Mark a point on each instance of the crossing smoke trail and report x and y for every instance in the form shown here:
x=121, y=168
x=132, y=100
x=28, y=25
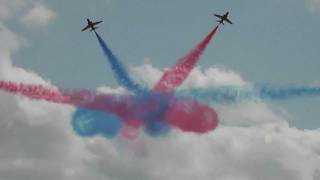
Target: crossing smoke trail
x=107, y=115
x=154, y=123
x=156, y=111
x=174, y=77
x=222, y=95
x=234, y=95
x=119, y=70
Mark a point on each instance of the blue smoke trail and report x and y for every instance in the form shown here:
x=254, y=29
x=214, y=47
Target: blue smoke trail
x=147, y=108
x=120, y=71
x=89, y=123
x=155, y=126
x=232, y=94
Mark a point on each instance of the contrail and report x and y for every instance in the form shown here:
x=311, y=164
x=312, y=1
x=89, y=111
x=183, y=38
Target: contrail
x=119, y=70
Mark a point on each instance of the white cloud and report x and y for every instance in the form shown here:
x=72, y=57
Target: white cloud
x=154, y=74
x=213, y=77
x=10, y=7
x=267, y=152
x=247, y=115
x=39, y=15
x=255, y=142
x=199, y=78
x=36, y=139
x=29, y=12
x=10, y=42
x=109, y=90
x=38, y=143
x=313, y=5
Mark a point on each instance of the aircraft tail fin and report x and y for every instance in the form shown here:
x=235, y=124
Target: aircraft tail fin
x=94, y=29
x=220, y=21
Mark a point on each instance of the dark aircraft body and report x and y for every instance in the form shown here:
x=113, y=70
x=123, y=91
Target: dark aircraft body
x=91, y=25
x=223, y=18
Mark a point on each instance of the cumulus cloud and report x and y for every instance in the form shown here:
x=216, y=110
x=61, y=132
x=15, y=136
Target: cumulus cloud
x=267, y=152
x=313, y=5
x=9, y=7
x=29, y=12
x=238, y=115
x=11, y=42
x=247, y=115
x=253, y=142
x=36, y=139
x=199, y=77
x=39, y=15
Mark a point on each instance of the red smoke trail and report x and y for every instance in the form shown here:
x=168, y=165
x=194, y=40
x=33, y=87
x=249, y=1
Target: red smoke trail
x=185, y=114
x=79, y=98
x=35, y=92
x=191, y=116
x=174, y=77
x=151, y=110
x=120, y=105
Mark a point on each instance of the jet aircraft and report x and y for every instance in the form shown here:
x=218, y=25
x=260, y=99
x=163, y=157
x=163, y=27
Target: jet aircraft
x=91, y=25
x=223, y=18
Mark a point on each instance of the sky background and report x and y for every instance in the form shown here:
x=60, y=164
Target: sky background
x=273, y=42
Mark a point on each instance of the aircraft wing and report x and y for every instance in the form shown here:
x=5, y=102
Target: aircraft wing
x=98, y=22
x=218, y=16
x=87, y=27
x=228, y=21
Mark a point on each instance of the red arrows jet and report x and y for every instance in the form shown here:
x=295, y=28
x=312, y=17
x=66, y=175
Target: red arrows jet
x=223, y=18
x=91, y=25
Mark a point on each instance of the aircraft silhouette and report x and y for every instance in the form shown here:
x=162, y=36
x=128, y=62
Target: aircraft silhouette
x=223, y=18
x=91, y=25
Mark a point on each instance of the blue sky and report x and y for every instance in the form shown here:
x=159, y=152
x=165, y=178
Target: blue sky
x=271, y=42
